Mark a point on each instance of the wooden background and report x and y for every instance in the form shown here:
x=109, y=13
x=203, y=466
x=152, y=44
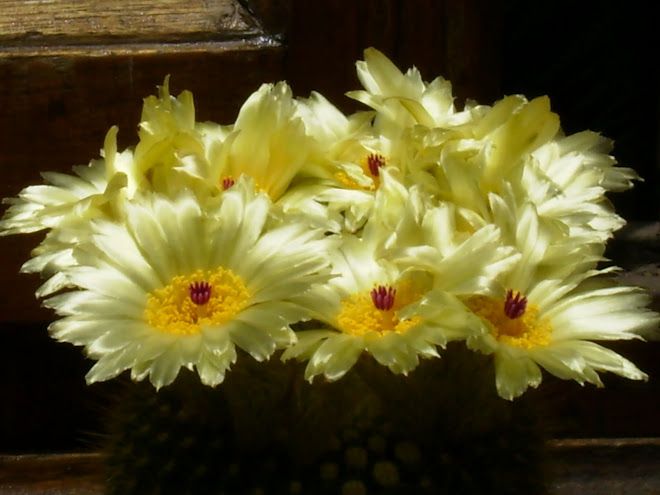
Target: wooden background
x=71, y=69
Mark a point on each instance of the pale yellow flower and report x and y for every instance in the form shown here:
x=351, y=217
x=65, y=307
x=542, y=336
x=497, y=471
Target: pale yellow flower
x=405, y=98
x=534, y=292
x=335, y=134
x=169, y=136
x=174, y=149
x=435, y=238
x=355, y=168
x=394, y=301
x=177, y=286
x=491, y=150
x=552, y=324
x=267, y=142
x=544, y=241
x=567, y=180
x=65, y=206
x=516, y=150
x=65, y=197
x=549, y=309
x=371, y=307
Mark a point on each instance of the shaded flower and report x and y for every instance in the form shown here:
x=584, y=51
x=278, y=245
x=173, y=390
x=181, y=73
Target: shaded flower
x=567, y=180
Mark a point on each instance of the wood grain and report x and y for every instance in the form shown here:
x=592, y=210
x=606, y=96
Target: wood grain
x=79, y=474
x=42, y=23
x=596, y=466
x=621, y=466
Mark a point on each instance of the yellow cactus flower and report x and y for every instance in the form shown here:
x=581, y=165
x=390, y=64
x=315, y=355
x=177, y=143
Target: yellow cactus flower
x=384, y=306
x=177, y=286
x=549, y=308
x=405, y=98
x=267, y=142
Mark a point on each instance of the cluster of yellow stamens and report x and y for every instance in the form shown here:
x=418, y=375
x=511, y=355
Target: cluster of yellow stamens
x=190, y=302
x=514, y=321
x=371, y=165
x=375, y=312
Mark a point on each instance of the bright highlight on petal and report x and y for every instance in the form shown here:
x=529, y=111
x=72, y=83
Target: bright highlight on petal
x=188, y=303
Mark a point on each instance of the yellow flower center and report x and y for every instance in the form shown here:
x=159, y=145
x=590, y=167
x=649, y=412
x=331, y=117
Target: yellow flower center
x=228, y=181
x=190, y=302
x=375, y=311
x=371, y=165
x=513, y=321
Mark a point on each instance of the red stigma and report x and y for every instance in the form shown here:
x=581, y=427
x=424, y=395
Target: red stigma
x=383, y=297
x=375, y=161
x=515, y=304
x=200, y=292
x=227, y=182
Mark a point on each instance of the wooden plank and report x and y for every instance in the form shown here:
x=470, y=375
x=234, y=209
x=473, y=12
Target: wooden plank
x=621, y=466
x=80, y=474
x=274, y=16
x=595, y=466
x=41, y=24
